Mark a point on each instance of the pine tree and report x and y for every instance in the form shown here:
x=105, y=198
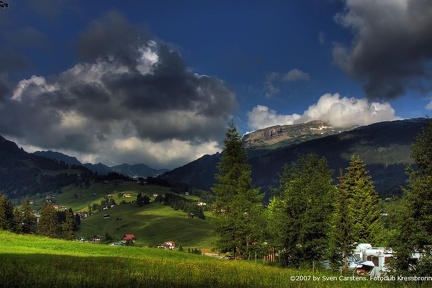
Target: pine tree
x=28, y=219
x=67, y=227
x=4, y=224
x=307, y=205
x=238, y=204
x=48, y=223
x=413, y=217
x=367, y=225
x=342, y=239
x=7, y=221
x=139, y=199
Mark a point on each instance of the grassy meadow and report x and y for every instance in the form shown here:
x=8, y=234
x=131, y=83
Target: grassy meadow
x=32, y=261
x=152, y=224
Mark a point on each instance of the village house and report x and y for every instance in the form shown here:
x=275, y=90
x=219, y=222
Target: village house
x=129, y=237
x=96, y=239
x=168, y=245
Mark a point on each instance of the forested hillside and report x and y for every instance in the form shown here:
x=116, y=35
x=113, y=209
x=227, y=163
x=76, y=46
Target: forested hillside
x=384, y=147
x=22, y=173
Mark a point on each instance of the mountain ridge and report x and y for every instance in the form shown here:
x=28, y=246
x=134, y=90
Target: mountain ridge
x=295, y=133
x=385, y=148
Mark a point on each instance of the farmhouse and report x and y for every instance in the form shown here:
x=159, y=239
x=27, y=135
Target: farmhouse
x=96, y=239
x=129, y=237
x=168, y=245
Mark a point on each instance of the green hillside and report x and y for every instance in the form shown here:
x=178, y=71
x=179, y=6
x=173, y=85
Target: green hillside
x=152, y=224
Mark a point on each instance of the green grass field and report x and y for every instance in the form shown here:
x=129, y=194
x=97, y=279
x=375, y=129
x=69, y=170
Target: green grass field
x=32, y=261
x=152, y=224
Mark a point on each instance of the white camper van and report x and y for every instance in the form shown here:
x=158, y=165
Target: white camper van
x=379, y=256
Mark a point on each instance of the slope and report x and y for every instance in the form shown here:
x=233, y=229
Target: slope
x=152, y=224
x=385, y=148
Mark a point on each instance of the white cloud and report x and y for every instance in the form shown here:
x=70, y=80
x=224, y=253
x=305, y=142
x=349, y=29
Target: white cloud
x=429, y=106
x=261, y=117
x=272, y=79
x=333, y=109
x=295, y=75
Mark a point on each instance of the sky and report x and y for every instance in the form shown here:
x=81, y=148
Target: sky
x=157, y=82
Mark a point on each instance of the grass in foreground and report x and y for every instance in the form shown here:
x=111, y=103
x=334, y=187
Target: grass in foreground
x=31, y=261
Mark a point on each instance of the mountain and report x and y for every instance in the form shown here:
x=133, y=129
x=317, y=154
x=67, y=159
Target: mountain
x=384, y=147
x=99, y=168
x=69, y=160
x=23, y=173
x=139, y=170
x=283, y=135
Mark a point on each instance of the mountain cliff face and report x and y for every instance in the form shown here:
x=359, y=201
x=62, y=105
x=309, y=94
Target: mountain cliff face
x=289, y=134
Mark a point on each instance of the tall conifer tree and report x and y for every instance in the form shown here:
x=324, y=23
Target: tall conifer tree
x=48, y=222
x=67, y=226
x=238, y=204
x=7, y=217
x=367, y=225
x=306, y=207
x=342, y=240
x=413, y=217
x=28, y=219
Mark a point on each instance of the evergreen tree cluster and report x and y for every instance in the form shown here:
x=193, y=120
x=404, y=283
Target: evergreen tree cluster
x=142, y=200
x=52, y=223
x=178, y=202
x=412, y=216
x=308, y=219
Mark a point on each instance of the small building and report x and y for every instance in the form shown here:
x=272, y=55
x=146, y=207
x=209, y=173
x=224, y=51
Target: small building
x=106, y=216
x=96, y=239
x=168, y=245
x=129, y=237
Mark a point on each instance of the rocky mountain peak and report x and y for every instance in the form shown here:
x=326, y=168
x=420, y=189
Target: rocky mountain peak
x=289, y=133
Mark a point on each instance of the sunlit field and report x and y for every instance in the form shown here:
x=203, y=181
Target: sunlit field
x=31, y=261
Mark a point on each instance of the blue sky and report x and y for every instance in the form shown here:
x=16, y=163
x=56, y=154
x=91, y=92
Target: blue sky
x=156, y=82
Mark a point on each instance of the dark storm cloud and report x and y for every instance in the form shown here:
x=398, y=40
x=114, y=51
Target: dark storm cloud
x=112, y=36
x=392, y=48
x=128, y=86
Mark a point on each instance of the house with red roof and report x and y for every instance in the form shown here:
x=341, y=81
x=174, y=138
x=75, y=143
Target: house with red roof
x=129, y=237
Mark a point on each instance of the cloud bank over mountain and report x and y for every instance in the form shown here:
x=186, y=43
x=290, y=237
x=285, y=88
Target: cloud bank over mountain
x=335, y=110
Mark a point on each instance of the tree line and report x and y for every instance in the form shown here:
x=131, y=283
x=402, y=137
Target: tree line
x=178, y=202
x=310, y=218
x=51, y=223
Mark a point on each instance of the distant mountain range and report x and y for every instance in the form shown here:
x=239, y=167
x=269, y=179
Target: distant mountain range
x=384, y=147
x=136, y=170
